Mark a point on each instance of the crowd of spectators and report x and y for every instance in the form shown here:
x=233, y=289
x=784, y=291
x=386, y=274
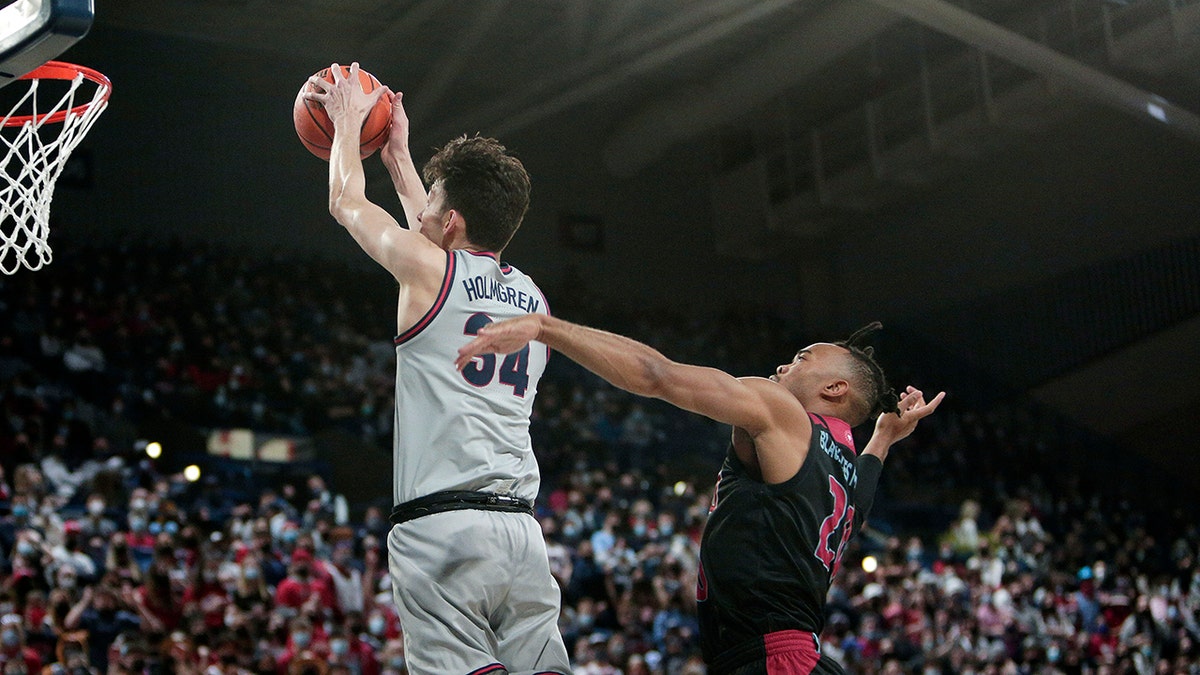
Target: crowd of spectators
x=110, y=565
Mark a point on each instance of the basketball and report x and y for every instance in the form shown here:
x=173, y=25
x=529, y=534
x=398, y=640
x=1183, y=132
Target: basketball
x=316, y=129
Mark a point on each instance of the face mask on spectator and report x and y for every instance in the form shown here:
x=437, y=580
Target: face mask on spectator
x=9, y=638
x=137, y=524
x=339, y=646
x=25, y=548
x=137, y=504
x=376, y=625
x=20, y=511
x=396, y=662
x=301, y=639
x=95, y=507
x=251, y=573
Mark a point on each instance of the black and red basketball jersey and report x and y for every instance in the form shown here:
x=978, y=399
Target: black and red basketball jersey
x=769, y=552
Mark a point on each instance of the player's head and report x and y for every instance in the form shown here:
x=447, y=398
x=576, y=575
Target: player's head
x=840, y=379
x=477, y=191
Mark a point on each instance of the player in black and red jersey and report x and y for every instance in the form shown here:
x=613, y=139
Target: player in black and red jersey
x=792, y=489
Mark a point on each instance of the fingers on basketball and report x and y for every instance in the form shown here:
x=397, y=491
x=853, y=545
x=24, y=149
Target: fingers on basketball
x=313, y=125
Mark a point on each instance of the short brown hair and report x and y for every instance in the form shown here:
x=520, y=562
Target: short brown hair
x=484, y=183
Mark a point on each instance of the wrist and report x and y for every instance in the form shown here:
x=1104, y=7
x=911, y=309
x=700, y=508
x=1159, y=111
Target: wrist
x=393, y=157
x=542, y=322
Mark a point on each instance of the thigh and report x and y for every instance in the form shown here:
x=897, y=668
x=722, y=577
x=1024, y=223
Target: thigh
x=445, y=570
x=526, y=623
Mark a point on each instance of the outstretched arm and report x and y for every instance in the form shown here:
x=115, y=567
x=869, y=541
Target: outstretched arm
x=398, y=159
x=637, y=368
x=402, y=252
x=890, y=428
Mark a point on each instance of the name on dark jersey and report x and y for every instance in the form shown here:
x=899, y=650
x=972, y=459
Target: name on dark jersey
x=482, y=288
x=831, y=448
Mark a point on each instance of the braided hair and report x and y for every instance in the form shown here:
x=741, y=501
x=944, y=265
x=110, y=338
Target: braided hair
x=876, y=396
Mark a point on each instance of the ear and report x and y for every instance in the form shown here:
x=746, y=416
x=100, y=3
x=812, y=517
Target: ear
x=835, y=390
x=454, y=226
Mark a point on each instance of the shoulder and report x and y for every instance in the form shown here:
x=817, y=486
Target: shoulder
x=785, y=419
x=777, y=397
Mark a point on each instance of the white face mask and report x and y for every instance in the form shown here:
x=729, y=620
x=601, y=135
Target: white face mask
x=95, y=508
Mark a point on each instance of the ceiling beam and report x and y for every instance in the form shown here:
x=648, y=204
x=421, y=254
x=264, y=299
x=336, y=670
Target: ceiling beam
x=431, y=90
x=607, y=68
x=1061, y=69
x=786, y=61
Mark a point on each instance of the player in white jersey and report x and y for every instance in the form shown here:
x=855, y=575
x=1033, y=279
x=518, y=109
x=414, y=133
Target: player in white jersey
x=468, y=564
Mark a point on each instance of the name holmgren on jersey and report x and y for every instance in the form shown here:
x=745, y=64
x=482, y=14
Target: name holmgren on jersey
x=480, y=287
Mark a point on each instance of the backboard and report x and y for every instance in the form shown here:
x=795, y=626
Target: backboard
x=34, y=31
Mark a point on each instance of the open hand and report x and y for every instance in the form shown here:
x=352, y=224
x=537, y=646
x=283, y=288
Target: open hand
x=503, y=337
x=343, y=98
x=913, y=409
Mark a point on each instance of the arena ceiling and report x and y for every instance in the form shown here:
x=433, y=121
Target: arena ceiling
x=634, y=81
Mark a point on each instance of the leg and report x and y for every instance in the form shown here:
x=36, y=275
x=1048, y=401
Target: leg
x=442, y=572
x=527, y=621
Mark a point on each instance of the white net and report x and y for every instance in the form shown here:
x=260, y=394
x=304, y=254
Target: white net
x=35, y=144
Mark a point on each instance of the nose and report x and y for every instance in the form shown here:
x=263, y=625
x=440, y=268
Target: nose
x=781, y=370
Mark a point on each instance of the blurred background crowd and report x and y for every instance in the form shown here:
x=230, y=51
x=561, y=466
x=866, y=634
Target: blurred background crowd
x=1000, y=543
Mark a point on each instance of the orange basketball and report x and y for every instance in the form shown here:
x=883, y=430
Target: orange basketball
x=316, y=129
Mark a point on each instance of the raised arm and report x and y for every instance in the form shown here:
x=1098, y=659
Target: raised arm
x=405, y=253
x=398, y=160
x=750, y=404
x=890, y=428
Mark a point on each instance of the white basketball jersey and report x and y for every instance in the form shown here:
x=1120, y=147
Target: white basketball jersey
x=467, y=429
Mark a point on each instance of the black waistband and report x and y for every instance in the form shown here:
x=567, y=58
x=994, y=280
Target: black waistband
x=454, y=500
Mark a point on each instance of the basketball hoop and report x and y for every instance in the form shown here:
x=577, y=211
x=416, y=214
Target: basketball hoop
x=35, y=141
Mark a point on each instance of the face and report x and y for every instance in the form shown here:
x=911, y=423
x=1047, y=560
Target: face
x=435, y=215
x=811, y=370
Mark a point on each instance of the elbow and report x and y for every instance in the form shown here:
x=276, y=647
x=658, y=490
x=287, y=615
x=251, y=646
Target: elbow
x=654, y=379
x=342, y=208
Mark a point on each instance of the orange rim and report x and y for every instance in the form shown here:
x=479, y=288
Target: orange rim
x=58, y=70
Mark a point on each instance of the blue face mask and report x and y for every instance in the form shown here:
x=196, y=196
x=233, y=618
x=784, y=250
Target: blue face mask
x=301, y=640
x=10, y=638
x=339, y=647
x=25, y=548
x=20, y=511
